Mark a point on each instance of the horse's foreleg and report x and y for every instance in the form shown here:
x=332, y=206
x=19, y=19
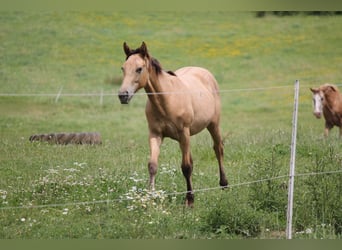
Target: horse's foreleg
x=218, y=148
x=326, y=132
x=327, y=129
x=155, y=142
x=184, y=143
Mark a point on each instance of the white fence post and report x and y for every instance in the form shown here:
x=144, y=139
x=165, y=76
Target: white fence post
x=101, y=97
x=292, y=163
x=59, y=94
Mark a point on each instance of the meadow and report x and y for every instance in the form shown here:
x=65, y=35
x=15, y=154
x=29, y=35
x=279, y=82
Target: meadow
x=100, y=192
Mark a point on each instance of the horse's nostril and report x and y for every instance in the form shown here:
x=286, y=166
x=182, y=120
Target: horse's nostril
x=124, y=97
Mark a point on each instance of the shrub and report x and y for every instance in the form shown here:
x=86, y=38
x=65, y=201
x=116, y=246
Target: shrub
x=233, y=217
x=321, y=197
x=269, y=195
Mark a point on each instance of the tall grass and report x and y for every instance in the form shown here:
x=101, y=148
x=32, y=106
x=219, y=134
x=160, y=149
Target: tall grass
x=54, y=192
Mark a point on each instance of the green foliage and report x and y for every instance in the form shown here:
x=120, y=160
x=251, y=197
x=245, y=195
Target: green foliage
x=322, y=200
x=271, y=194
x=99, y=192
x=231, y=217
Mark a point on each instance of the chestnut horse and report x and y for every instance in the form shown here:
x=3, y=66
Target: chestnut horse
x=179, y=105
x=327, y=101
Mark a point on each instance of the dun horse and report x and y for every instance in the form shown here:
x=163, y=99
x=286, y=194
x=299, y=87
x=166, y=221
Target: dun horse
x=327, y=100
x=179, y=105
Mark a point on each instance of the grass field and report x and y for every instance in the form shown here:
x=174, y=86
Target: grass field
x=99, y=192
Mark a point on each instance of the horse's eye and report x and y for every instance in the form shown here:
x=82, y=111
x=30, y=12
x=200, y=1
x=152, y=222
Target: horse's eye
x=138, y=70
x=321, y=98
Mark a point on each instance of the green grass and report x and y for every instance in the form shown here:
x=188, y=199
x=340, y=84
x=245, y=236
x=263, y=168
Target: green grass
x=85, y=191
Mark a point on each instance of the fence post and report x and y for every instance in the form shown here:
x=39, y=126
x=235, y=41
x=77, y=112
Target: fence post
x=292, y=163
x=101, y=97
x=59, y=94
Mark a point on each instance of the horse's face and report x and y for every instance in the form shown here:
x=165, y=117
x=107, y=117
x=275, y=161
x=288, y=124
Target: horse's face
x=135, y=77
x=135, y=73
x=317, y=100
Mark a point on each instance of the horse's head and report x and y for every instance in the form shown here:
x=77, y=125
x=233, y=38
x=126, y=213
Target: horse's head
x=317, y=100
x=323, y=97
x=135, y=71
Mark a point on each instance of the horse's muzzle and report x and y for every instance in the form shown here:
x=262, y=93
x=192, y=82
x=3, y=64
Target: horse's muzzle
x=124, y=97
x=318, y=115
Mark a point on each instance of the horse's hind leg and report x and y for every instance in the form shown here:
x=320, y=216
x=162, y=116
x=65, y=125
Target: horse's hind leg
x=187, y=165
x=214, y=131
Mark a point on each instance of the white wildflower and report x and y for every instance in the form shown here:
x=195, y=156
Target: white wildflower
x=65, y=211
x=3, y=194
x=71, y=170
x=44, y=211
x=80, y=164
x=52, y=171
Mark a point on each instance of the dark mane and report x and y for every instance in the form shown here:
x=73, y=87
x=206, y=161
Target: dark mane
x=158, y=68
x=156, y=65
x=154, y=62
x=171, y=73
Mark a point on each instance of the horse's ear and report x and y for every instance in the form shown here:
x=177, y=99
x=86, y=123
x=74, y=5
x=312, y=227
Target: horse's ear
x=314, y=90
x=333, y=88
x=126, y=49
x=143, y=50
x=329, y=88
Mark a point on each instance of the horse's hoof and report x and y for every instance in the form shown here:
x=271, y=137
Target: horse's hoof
x=189, y=200
x=224, y=184
x=189, y=204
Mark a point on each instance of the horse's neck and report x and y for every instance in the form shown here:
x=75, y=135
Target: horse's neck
x=156, y=92
x=334, y=101
x=153, y=86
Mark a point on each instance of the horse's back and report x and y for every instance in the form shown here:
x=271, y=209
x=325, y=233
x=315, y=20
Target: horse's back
x=197, y=78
